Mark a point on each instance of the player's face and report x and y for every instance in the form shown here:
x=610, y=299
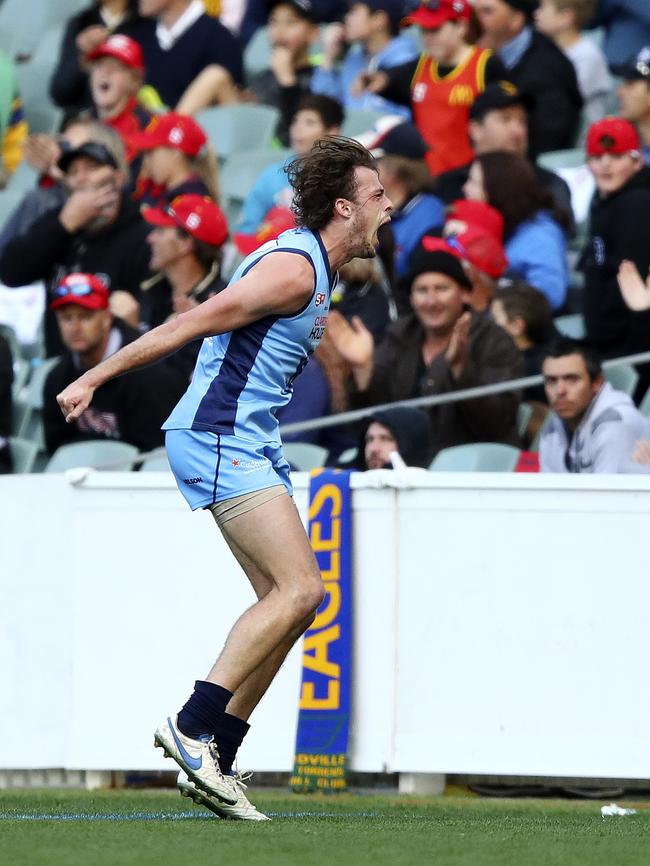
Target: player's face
x=473, y=188
x=502, y=129
x=306, y=129
x=287, y=29
x=167, y=247
x=378, y=444
x=612, y=170
x=443, y=42
x=568, y=387
x=372, y=209
x=83, y=331
x=634, y=100
x=112, y=84
x=437, y=301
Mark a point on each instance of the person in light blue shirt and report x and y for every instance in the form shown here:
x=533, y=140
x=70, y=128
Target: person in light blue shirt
x=534, y=228
x=372, y=29
x=315, y=117
x=225, y=451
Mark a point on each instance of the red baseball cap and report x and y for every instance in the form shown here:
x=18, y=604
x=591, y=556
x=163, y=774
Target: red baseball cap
x=198, y=215
x=479, y=214
x=171, y=130
x=122, y=48
x=612, y=135
x=482, y=250
x=277, y=220
x=431, y=14
x=85, y=290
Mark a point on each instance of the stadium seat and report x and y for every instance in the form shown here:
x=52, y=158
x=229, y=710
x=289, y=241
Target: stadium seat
x=524, y=414
x=23, y=454
x=155, y=463
x=623, y=378
x=573, y=157
x=238, y=176
x=10, y=198
x=30, y=402
x=570, y=326
x=236, y=128
x=100, y=454
x=303, y=456
x=33, y=82
x=358, y=121
x=476, y=457
x=257, y=54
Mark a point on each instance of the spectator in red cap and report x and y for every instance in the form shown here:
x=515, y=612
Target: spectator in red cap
x=439, y=347
x=618, y=231
x=131, y=408
x=440, y=85
x=116, y=74
x=539, y=69
x=178, y=160
x=186, y=245
x=84, y=32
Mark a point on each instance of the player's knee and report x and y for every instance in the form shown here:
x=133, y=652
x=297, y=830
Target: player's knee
x=306, y=599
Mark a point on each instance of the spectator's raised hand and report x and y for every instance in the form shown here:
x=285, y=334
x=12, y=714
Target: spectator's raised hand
x=91, y=38
x=42, y=152
x=456, y=354
x=635, y=292
x=333, y=41
x=281, y=64
x=100, y=199
x=373, y=82
x=354, y=343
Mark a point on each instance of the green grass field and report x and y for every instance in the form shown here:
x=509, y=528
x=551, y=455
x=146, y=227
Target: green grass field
x=154, y=828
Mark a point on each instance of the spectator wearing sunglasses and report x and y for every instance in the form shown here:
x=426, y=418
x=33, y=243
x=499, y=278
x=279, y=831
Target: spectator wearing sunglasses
x=97, y=230
x=131, y=408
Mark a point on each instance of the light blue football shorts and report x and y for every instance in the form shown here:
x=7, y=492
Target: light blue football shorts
x=209, y=467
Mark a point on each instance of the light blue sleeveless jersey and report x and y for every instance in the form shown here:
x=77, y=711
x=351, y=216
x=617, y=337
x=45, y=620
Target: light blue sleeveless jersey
x=243, y=377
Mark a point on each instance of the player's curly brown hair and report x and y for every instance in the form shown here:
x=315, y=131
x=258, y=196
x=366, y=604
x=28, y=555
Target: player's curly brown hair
x=323, y=175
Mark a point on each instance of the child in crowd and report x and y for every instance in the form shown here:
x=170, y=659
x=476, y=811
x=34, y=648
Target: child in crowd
x=372, y=30
x=292, y=29
x=178, y=161
x=563, y=21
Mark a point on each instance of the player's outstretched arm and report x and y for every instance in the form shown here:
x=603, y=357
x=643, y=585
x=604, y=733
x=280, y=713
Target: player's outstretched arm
x=280, y=284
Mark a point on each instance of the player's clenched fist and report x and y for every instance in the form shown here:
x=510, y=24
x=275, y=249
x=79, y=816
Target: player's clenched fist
x=74, y=400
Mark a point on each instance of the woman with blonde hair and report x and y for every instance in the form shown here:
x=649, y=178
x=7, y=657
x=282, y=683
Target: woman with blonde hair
x=178, y=160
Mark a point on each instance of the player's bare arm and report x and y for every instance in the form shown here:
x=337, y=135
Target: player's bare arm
x=280, y=284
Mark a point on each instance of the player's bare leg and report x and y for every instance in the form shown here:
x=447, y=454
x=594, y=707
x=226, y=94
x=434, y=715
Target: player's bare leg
x=273, y=539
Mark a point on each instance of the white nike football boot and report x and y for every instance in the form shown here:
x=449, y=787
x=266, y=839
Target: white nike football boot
x=242, y=810
x=199, y=759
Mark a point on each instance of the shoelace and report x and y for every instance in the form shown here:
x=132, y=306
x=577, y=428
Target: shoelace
x=214, y=754
x=242, y=778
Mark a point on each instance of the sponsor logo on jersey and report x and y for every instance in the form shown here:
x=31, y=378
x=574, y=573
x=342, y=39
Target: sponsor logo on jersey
x=320, y=298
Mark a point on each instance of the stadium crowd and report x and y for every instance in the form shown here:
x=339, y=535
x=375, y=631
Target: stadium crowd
x=512, y=137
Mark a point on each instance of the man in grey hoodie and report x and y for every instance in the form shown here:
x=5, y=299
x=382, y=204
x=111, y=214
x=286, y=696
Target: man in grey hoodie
x=592, y=427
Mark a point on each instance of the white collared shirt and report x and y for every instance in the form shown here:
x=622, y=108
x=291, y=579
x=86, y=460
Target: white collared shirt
x=168, y=36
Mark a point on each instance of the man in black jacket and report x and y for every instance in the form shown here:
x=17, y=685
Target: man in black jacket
x=97, y=230
x=131, y=408
x=538, y=68
x=618, y=231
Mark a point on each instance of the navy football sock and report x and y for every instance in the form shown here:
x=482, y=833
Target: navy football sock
x=228, y=735
x=203, y=711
